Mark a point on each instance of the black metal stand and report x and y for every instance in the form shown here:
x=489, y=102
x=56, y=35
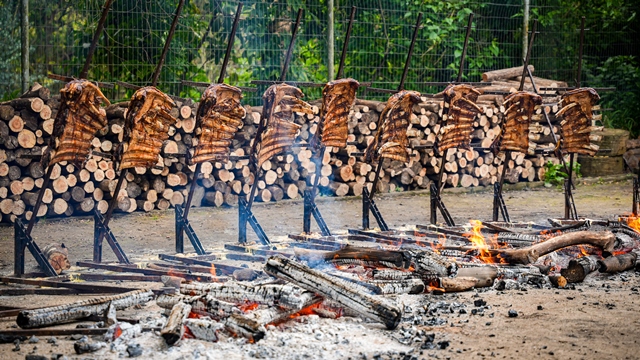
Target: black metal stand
x=368, y=204
x=182, y=219
x=246, y=215
x=436, y=203
x=310, y=208
x=436, y=200
x=101, y=228
x=22, y=236
x=498, y=200
x=570, y=211
x=23, y=240
x=636, y=195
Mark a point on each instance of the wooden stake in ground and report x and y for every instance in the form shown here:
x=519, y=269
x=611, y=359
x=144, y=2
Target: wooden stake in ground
x=341, y=291
x=530, y=254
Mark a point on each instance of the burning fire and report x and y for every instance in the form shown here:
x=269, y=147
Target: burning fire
x=634, y=223
x=212, y=270
x=248, y=306
x=480, y=244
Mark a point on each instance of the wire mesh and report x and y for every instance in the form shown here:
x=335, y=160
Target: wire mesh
x=135, y=32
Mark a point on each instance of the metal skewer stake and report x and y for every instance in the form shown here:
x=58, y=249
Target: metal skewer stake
x=368, y=203
x=309, y=195
x=435, y=189
x=101, y=224
x=22, y=234
x=182, y=215
x=244, y=206
x=498, y=200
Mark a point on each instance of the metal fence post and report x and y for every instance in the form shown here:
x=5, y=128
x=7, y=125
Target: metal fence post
x=330, y=39
x=525, y=28
x=24, y=41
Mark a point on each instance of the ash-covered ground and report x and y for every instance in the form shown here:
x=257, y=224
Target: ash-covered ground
x=592, y=320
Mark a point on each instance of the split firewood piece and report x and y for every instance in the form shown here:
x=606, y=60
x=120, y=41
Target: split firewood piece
x=287, y=296
x=204, y=329
x=391, y=274
x=428, y=264
x=173, y=330
x=458, y=284
x=62, y=314
x=530, y=254
x=484, y=275
x=578, y=269
x=57, y=254
x=618, y=263
x=356, y=255
x=367, y=305
x=217, y=308
x=406, y=286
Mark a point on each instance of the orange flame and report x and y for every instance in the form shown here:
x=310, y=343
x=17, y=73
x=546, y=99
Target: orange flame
x=212, y=270
x=634, y=223
x=480, y=244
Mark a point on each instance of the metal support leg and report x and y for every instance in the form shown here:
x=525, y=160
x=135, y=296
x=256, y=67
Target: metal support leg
x=245, y=215
x=368, y=204
x=22, y=240
x=102, y=230
x=310, y=208
x=498, y=204
x=436, y=202
x=184, y=226
x=636, y=195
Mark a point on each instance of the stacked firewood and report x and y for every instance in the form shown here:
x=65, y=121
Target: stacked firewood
x=27, y=124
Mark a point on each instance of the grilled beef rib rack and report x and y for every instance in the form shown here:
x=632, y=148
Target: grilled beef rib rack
x=78, y=120
x=218, y=119
x=391, y=139
x=459, y=111
x=280, y=101
x=576, y=115
x=337, y=99
x=146, y=127
x=515, y=132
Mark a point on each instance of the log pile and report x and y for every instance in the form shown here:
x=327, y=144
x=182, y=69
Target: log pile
x=26, y=125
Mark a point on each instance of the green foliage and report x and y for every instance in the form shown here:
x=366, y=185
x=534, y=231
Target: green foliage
x=555, y=174
x=624, y=72
x=10, y=54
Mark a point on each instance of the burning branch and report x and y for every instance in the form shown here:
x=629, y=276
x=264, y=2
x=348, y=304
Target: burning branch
x=603, y=239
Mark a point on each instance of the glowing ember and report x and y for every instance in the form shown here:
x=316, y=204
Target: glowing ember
x=212, y=270
x=248, y=306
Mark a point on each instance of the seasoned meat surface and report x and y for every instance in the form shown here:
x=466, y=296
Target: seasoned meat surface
x=459, y=111
x=78, y=120
x=515, y=131
x=576, y=115
x=146, y=127
x=391, y=139
x=280, y=101
x=219, y=117
x=337, y=99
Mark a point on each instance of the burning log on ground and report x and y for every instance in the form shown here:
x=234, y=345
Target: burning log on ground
x=406, y=286
x=173, y=330
x=578, y=269
x=286, y=296
x=62, y=314
x=618, y=263
x=357, y=255
x=458, y=284
x=367, y=305
x=217, y=308
x=604, y=240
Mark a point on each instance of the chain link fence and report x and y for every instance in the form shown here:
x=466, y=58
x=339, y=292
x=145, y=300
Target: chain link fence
x=134, y=35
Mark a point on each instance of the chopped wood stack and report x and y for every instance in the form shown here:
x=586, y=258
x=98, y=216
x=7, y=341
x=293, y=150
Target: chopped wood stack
x=26, y=125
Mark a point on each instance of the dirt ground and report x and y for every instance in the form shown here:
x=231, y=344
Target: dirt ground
x=596, y=320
